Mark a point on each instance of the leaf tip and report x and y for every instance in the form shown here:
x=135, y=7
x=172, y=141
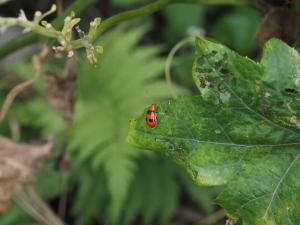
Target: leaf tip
x=130, y=138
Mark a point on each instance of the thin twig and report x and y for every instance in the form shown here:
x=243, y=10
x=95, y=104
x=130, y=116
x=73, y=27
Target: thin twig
x=45, y=209
x=71, y=64
x=13, y=94
x=15, y=129
x=36, y=61
x=23, y=202
x=31, y=202
x=63, y=199
x=60, y=7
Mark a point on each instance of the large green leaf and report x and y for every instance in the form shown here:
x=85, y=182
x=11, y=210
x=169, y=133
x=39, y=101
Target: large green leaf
x=242, y=131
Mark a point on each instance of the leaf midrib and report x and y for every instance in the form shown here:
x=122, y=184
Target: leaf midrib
x=165, y=138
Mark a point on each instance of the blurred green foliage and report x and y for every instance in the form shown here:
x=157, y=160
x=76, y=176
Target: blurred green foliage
x=237, y=29
x=180, y=18
x=109, y=180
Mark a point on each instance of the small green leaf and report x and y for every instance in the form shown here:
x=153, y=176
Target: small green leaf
x=285, y=73
x=239, y=132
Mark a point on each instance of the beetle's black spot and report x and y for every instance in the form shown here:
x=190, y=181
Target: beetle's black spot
x=151, y=120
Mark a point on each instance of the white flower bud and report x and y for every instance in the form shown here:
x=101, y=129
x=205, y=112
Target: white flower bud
x=62, y=42
x=38, y=14
x=67, y=19
x=48, y=26
x=53, y=8
x=70, y=54
x=93, y=24
x=22, y=16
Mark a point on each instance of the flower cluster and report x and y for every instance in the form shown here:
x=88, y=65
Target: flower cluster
x=65, y=38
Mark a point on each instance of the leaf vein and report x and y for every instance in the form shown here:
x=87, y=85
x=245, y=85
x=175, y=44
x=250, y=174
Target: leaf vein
x=279, y=183
x=258, y=114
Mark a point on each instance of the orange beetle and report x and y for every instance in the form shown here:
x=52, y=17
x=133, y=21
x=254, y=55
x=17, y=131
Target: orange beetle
x=151, y=116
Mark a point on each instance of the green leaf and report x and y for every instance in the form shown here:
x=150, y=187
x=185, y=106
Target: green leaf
x=285, y=72
x=240, y=132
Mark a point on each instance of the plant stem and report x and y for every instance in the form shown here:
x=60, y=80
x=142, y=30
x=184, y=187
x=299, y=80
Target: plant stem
x=30, y=25
x=180, y=44
x=124, y=16
x=23, y=40
x=152, y=8
x=81, y=5
x=213, y=218
x=219, y=2
x=143, y=11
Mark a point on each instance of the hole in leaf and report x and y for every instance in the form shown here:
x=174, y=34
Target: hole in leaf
x=291, y=90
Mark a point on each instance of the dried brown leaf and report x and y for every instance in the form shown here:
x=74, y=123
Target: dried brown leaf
x=18, y=165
